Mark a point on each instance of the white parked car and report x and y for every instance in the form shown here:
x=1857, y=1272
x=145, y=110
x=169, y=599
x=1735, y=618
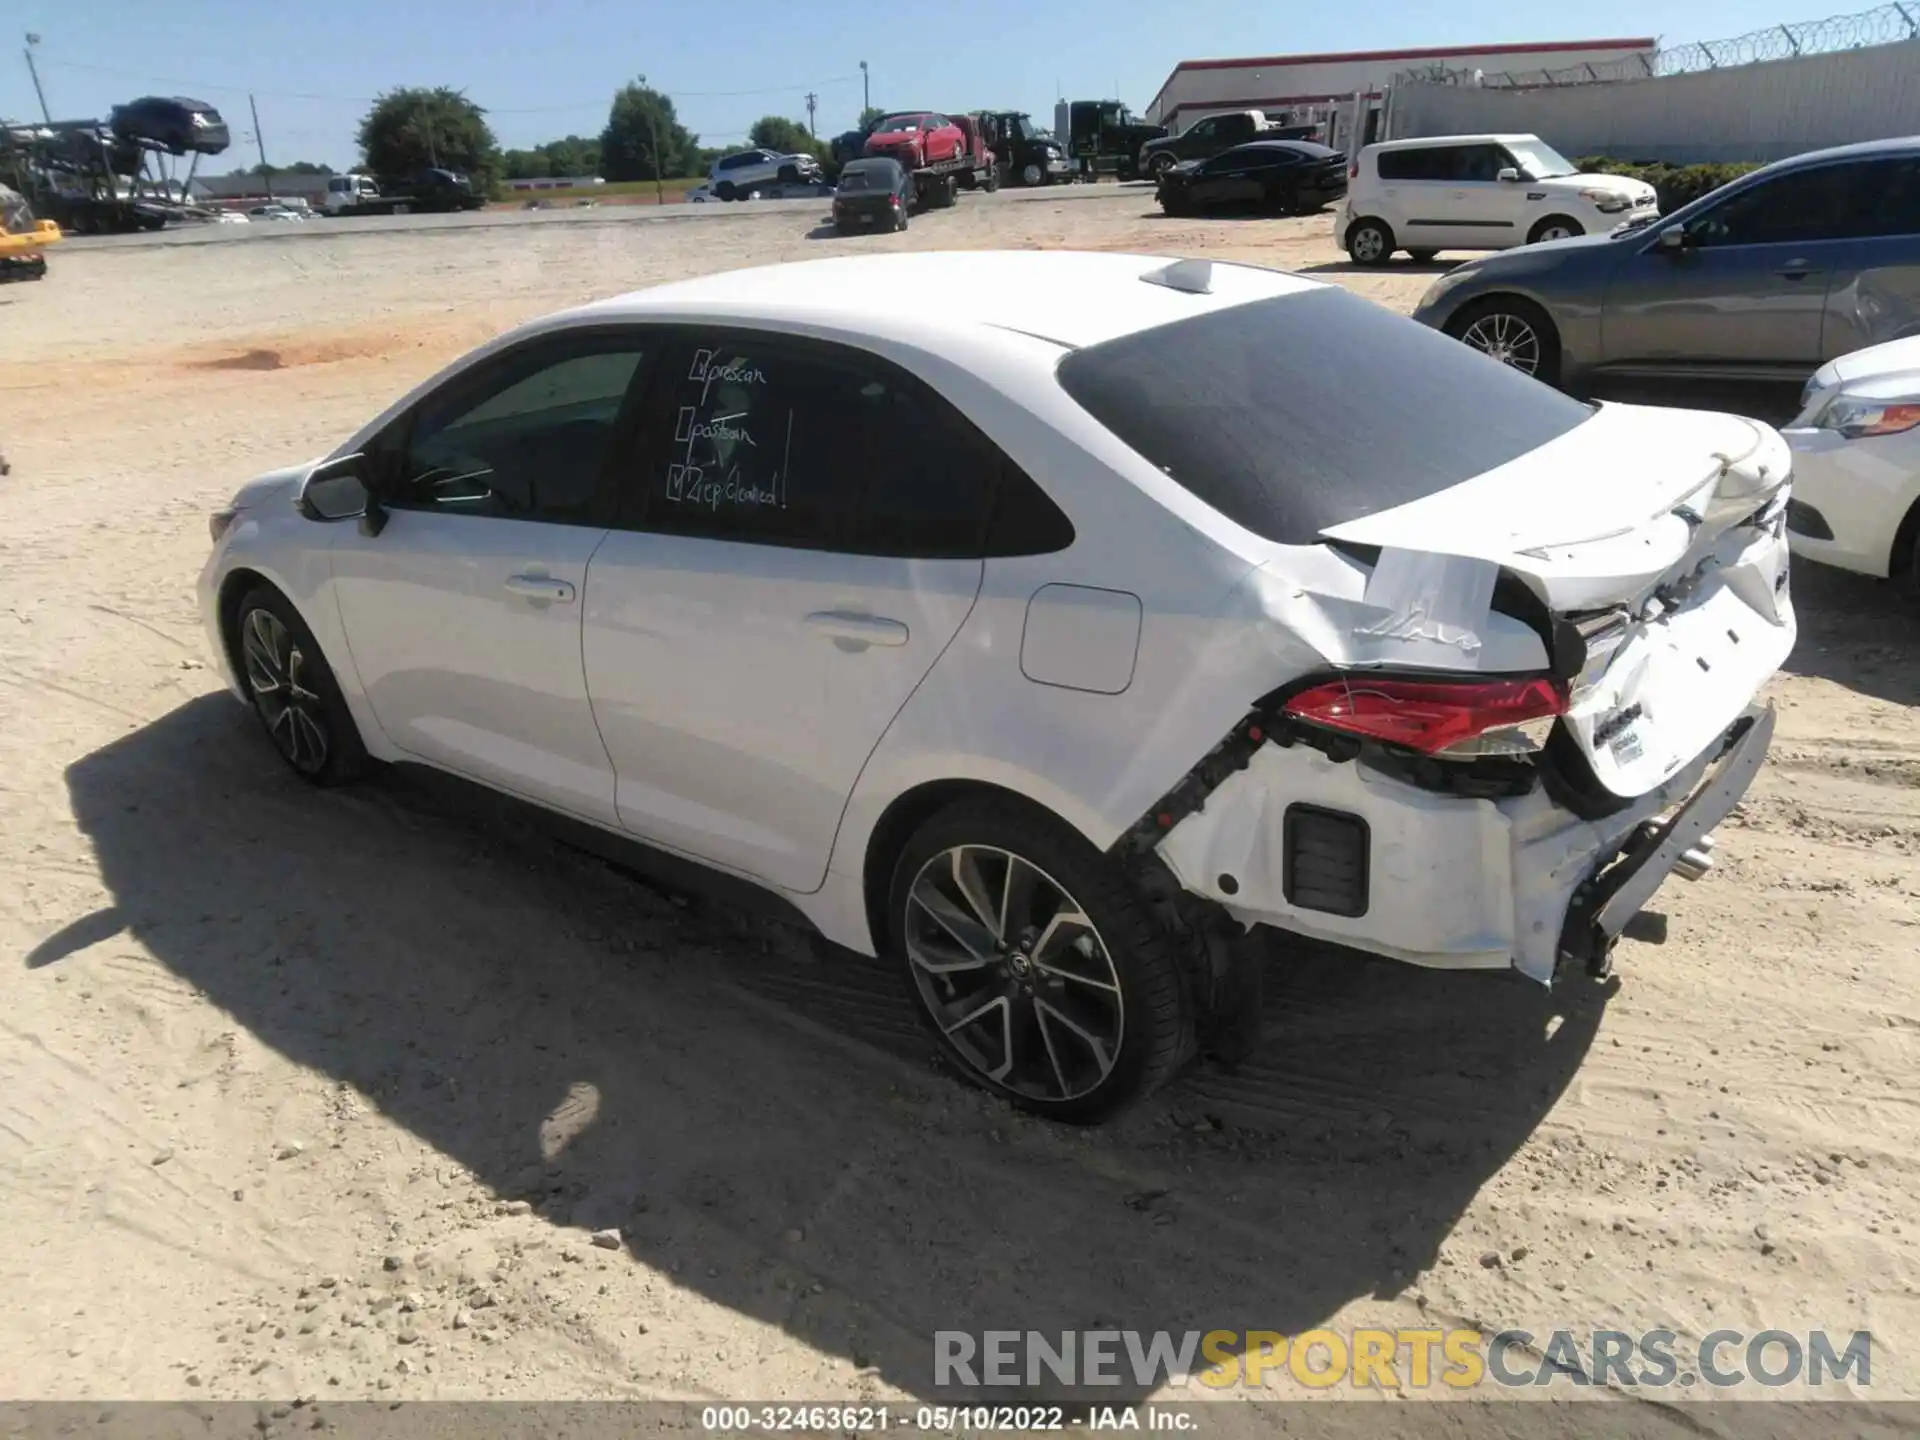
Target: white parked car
x=1032, y=619
x=1477, y=192
x=699, y=194
x=1856, y=463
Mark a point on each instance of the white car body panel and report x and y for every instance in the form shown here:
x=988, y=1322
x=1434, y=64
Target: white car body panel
x=787, y=666
x=465, y=673
x=1090, y=680
x=1865, y=487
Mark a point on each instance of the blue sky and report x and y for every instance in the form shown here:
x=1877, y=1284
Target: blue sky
x=544, y=68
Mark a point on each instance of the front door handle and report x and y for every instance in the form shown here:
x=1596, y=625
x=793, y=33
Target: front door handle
x=540, y=587
x=1794, y=270
x=862, y=629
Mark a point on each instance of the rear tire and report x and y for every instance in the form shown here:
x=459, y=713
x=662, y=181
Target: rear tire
x=1161, y=164
x=1035, y=963
x=1514, y=331
x=1370, y=243
x=724, y=190
x=293, y=692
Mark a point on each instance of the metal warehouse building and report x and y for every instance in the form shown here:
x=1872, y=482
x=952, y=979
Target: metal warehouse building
x=1314, y=88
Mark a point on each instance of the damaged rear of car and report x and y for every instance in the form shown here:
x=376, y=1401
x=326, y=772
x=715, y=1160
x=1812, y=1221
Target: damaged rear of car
x=1507, y=644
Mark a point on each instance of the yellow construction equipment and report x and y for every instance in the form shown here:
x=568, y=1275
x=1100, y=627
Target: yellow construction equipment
x=22, y=238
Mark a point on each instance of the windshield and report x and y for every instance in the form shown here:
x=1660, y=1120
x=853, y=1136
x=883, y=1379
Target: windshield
x=1255, y=409
x=1540, y=160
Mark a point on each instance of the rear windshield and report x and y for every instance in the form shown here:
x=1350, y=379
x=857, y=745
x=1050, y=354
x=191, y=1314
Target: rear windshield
x=869, y=176
x=1298, y=413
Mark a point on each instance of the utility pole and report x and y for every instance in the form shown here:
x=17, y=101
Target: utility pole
x=813, y=101
x=653, y=137
x=259, y=140
x=45, y=113
x=866, y=93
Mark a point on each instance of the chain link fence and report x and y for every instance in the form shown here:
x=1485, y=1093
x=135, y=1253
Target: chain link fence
x=1884, y=25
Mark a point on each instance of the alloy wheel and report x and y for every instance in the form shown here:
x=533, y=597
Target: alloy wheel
x=276, y=675
x=1505, y=337
x=1014, y=973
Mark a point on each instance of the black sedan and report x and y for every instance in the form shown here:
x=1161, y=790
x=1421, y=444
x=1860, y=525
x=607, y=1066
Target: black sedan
x=1280, y=177
x=871, y=195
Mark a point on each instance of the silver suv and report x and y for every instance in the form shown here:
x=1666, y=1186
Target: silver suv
x=737, y=177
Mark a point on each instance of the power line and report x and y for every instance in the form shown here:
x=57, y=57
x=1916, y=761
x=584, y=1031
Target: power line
x=578, y=107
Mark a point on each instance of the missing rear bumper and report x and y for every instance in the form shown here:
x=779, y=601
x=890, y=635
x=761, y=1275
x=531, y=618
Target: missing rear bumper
x=1606, y=904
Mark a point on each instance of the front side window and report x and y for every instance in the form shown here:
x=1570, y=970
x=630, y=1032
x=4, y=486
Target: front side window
x=1802, y=205
x=525, y=439
x=1889, y=200
x=1537, y=160
x=1290, y=448
x=1477, y=164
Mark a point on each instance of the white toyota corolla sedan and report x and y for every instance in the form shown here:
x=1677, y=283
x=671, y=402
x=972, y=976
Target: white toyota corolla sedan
x=1051, y=622
x=1856, y=447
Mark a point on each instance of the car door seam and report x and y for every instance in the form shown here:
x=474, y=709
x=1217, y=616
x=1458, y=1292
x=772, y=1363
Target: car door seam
x=846, y=802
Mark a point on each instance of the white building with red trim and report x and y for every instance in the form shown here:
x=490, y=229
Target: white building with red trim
x=1314, y=87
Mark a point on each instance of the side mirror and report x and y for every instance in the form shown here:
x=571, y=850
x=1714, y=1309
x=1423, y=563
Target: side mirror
x=1671, y=240
x=1508, y=176
x=339, y=490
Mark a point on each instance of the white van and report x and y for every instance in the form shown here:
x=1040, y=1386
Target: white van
x=1477, y=192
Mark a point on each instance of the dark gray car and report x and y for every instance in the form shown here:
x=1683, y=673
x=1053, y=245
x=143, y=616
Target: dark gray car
x=1767, y=278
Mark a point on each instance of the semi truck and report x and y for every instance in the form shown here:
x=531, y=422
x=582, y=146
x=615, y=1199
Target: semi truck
x=1103, y=137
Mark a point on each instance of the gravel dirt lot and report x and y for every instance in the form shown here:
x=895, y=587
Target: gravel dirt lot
x=335, y=1094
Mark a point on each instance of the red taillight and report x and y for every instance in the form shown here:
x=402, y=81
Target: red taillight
x=1353, y=171
x=894, y=200
x=1426, y=715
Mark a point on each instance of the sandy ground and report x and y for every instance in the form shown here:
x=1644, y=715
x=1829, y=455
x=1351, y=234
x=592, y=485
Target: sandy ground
x=325, y=1094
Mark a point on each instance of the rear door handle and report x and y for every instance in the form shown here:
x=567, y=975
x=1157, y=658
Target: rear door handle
x=865, y=629
x=540, y=587
x=1794, y=270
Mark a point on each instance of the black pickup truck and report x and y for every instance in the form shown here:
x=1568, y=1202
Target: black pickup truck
x=1214, y=134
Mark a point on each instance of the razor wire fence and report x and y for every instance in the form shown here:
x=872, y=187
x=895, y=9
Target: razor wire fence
x=1884, y=25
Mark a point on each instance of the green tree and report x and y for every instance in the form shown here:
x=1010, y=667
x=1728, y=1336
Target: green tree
x=525, y=164
x=639, y=118
x=411, y=128
x=573, y=155
x=869, y=115
x=789, y=137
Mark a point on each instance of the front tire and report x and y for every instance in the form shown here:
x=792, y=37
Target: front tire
x=1036, y=965
x=1555, y=227
x=1370, y=243
x=293, y=691
x=1513, y=331
x=724, y=190
x=1032, y=174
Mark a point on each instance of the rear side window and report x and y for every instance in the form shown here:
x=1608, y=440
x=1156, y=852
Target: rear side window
x=815, y=446
x=1299, y=413
x=1435, y=162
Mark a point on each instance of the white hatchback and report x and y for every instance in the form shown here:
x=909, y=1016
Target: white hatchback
x=1034, y=619
x=1477, y=192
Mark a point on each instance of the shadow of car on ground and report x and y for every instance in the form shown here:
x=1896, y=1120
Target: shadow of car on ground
x=748, y=1087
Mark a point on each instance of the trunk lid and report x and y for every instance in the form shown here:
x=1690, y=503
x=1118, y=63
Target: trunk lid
x=1656, y=540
